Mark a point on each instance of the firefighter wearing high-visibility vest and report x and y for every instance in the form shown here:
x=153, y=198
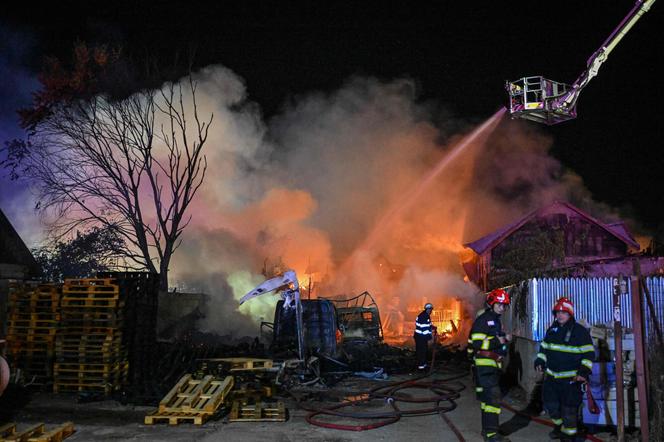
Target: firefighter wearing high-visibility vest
x=488, y=344
x=424, y=331
x=566, y=357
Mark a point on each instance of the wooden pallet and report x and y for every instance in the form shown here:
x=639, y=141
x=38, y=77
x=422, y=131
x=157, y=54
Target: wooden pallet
x=237, y=364
x=19, y=315
x=253, y=394
x=36, y=433
x=22, y=332
x=32, y=323
x=88, y=282
x=258, y=412
x=196, y=396
x=31, y=339
x=80, y=387
x=35, y=307
x=75, y=316
x=176, y=418
x=91, y=302
x=192, y=400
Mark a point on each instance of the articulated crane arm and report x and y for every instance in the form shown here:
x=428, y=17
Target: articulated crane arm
x=288, y=284
x=550, y=102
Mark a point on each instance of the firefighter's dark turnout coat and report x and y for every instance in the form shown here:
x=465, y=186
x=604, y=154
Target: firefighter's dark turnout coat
x=423, y=334
x=566, y=351
x=484, y=337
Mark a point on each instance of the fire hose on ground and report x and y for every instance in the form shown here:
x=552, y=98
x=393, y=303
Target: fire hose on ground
x=445, y=391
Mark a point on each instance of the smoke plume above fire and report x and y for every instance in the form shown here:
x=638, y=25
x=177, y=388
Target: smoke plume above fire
x=304, y=189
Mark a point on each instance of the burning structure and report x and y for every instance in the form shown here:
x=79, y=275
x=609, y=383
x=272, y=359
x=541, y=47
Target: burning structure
x=556, y=240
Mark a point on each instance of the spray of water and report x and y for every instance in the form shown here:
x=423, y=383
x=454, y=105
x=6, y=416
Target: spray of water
x=402, y=204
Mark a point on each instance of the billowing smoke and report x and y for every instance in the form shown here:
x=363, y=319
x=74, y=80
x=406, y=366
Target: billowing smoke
x=305, y=190
x=339, y=187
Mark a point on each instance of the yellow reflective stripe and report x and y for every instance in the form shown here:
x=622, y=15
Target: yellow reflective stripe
x=489, y=435
x=491, y=409
x=470, y=341
x=469, y=350
x=484, y=362
x=557, y=421
x=588, y=363
x=482, y=405
x=561, y=374
x=477, y=336
x=568, y=348
x=479, y=389
x=485, y=344
x=542, y=356
x=568, y=431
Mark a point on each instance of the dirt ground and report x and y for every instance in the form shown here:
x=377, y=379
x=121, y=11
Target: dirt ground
x=111, y=421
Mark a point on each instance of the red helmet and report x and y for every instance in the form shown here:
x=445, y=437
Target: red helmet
x=563, y=305
x=497, y=296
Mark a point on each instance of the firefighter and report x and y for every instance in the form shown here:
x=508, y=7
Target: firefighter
x=488, y=345
x=566, y=356
x=423, y=334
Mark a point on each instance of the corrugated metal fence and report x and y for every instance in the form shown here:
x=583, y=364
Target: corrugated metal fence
x=593, y=299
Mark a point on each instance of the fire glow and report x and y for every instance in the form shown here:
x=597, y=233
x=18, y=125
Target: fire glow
x=357, y=190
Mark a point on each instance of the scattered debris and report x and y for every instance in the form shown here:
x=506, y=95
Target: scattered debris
x=359, y=317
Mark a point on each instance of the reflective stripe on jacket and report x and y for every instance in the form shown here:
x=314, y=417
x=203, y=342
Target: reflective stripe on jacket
x=423, y=327
x=567, y=350
x=484, y=336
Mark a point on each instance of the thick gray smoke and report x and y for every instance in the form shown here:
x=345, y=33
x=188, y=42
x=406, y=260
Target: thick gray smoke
x=304, y=189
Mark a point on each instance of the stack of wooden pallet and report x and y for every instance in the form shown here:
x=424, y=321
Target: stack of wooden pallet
x=32, y=323
x=192, y=400
x=140, y=291
x=89, y=353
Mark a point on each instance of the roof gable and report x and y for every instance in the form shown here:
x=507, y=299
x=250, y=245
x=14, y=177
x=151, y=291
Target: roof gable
x=490, y=241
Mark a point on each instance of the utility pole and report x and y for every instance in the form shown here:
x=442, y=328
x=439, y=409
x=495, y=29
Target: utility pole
x=640, y=360
x=619, y=287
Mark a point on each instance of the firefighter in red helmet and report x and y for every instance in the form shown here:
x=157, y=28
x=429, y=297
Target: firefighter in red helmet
x=488, y=344
x=566, y=358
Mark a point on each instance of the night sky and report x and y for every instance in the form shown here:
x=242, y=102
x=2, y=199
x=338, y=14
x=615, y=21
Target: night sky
x=459, y=53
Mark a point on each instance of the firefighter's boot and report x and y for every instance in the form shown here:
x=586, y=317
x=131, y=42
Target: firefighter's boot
x=555, y=434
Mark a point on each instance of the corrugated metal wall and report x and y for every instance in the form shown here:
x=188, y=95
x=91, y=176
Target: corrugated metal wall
x=593, y=300
x=656, y=287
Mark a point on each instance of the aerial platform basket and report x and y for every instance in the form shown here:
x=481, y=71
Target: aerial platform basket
x=540, y=99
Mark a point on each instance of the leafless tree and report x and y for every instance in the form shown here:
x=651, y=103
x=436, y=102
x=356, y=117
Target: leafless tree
x=132, y=165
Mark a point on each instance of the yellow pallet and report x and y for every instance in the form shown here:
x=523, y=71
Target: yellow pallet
x=62, y=367
x=32, y=316
x=88, y=387
x=238, y=364
x=191, y=400
x=196, y=396
x=258, y=412
x=36, y=433
x=176, y=418
x=87, y=282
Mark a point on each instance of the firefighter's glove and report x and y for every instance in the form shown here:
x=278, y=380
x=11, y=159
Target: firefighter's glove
x=540, y=366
